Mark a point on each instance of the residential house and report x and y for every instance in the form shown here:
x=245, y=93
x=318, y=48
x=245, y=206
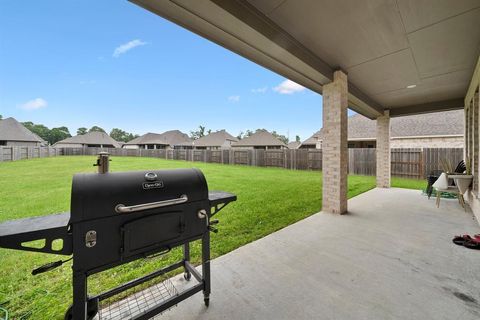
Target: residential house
x=215, y=140
x=432, y=130
x=294, y=145
x=260, y=140
x=173, y=139
x=90, y=139
x=13, y=133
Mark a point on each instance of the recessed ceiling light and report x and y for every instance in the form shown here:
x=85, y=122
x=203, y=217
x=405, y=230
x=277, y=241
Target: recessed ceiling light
x=411, y=86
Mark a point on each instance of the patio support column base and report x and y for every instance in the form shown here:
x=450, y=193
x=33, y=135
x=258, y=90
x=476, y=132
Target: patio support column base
x=383, y=151
x=334, y=145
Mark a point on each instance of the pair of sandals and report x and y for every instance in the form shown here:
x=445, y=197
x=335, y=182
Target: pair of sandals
x=468, y=241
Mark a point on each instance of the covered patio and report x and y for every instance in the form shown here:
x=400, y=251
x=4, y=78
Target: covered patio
x=390, y=260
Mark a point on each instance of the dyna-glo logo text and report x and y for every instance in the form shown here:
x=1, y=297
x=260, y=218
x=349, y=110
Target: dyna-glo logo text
x=153, y=185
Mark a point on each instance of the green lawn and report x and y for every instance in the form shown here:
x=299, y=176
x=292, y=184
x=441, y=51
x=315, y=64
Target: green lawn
x=268, y=200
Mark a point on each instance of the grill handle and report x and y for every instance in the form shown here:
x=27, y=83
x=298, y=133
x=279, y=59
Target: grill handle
x=121, y=208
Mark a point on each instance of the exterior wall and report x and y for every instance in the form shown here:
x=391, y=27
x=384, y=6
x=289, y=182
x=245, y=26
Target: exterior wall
x=408, y=142
x=472, y=152
x=227, y=144
x=260, y=147
x=362, y=144
x=308, y=146
x=68, y=145
x=131, y=146
x=22, y=144
x=81, y=145
x=430, y=142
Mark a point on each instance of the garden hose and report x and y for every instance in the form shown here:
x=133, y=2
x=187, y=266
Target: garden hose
x=5, y=314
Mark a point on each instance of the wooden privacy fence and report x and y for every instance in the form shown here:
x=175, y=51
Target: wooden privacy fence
x=407, y=163
x=19, y=153
x=412, y=163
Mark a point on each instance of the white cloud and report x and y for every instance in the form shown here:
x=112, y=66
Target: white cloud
x=234, y=99
x=127, y=46
x=288, y=87
x=260, y=90
x=34, y=104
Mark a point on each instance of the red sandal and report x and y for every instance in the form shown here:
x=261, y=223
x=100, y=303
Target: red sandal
x=461, y=240
x=474, y=243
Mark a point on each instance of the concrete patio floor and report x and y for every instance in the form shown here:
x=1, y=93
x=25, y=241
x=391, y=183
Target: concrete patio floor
x=391, y=257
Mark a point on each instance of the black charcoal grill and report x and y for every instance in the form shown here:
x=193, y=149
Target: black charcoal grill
x=119, y=217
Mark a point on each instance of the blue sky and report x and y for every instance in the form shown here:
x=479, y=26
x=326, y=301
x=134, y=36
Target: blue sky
x=113, y=64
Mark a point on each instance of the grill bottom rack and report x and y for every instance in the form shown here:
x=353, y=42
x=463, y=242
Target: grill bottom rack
x=138, y=302
x=143, y=304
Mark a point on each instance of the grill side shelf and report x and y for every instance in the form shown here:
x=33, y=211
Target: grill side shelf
x=38, y=234
x=219, y=199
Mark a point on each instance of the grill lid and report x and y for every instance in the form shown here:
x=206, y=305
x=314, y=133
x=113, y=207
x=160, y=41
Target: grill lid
x=96, y=196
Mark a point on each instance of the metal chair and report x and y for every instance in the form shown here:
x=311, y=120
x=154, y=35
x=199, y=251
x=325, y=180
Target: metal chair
x=433, y=176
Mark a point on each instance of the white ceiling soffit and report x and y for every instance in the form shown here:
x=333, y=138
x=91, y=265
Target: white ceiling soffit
x=386, y=46
x=249, y=33
x=409, y=56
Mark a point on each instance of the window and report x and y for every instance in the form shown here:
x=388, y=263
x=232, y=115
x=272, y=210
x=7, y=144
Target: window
x=3, y=143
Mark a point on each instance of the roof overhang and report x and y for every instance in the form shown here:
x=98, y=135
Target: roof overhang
x=262, y=31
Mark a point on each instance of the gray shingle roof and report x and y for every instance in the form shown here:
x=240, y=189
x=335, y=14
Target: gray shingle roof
x=12, y=130
x=431, y=124
x=94, y=137
x=313, y=139
x=148, y=138
x=172, y=138
x=214, y=139
x=293, y=145
x=259, y=138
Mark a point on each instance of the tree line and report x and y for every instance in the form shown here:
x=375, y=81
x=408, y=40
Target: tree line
x=54, y=135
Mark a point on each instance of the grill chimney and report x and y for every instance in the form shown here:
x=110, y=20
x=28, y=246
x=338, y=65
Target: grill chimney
x=103, y=162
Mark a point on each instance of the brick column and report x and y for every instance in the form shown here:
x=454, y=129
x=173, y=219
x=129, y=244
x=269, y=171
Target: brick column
x=383, y=151
x=334, y=145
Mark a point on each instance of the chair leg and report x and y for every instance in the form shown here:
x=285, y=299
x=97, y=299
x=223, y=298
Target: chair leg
x=462, y=201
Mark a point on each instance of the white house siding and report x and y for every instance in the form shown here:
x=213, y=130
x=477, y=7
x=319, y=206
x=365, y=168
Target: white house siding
x=130, y=146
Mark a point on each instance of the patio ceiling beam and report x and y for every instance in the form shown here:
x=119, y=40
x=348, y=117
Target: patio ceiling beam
x=436, y=106
x=243, y=29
